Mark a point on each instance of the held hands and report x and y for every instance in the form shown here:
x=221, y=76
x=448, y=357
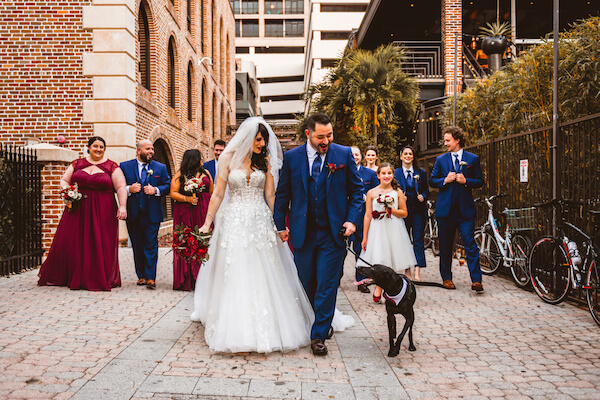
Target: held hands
x=122, y=212
x=285, y=235
x=148, y=189
x=460, y=178
x=135, y=188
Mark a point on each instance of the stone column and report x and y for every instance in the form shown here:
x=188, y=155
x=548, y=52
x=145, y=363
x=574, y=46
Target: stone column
x=452, y=28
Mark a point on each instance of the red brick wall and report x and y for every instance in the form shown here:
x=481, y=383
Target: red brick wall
x=41, y=81
x=52, y=205
x=451, y=28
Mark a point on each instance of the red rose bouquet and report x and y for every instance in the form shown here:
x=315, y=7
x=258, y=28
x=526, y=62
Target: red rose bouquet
x=190, y=244
x=70, y=194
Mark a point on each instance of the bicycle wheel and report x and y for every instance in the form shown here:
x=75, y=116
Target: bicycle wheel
x=592, y=289
x=550, y=270
x=521, y=246
x=427, y=235
x=490, y=257
x=435, y=239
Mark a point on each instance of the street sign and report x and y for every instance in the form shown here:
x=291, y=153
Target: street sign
x=524, y=165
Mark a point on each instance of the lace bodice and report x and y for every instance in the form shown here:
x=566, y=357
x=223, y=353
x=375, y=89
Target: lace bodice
x=242, y=189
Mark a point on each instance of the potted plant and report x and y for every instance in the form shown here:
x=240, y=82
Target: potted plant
x=495, y=41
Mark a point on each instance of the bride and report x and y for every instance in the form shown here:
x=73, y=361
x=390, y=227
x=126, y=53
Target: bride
x=248, y=295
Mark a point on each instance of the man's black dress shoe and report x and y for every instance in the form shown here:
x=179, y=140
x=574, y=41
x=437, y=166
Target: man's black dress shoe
x=318, y=347
x=363, y=288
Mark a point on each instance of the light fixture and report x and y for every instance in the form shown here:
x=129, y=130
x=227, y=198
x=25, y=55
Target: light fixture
x=205, y=58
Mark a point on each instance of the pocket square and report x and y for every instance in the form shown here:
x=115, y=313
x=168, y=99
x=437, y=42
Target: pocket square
x=157, y=176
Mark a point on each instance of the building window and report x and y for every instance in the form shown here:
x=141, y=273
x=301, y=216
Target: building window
x=239, y=91
x=235, y=6
x=242, y=50
x=190, y=77
x=279, y=49
x=202, y=26
x=249, y=28
x=171, y=72
x=294, y=6
x=249, y=6
x=343, y=8
x=215, y=123
x=144, y=40
x=203, y=99
x=274, y=7
x=294, y=28
x=329, y=62
x=284, y=97
x=189, y=15
x=274, y=28
x=335, y=35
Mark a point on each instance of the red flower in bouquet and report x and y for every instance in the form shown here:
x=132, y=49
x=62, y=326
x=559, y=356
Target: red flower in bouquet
x=190, y=244
x=332, y=168
x=70, y=194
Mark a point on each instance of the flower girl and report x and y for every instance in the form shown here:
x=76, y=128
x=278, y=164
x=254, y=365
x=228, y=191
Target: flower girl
x=386, y=239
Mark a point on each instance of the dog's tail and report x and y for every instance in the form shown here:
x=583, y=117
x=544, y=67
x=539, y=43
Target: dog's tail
x=422, y=283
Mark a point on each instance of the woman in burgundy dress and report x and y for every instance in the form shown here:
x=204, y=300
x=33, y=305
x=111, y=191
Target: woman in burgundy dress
x=189, y=211
x=83, y=254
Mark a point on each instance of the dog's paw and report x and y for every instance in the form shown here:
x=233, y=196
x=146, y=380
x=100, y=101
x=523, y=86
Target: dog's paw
x=412, y=348
x=393, y=353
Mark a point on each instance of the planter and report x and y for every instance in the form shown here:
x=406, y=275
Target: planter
x=494, y=47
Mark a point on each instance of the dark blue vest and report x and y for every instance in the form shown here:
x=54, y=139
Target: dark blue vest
x=317, y=201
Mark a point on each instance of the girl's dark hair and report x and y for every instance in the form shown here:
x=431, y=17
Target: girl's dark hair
x=394, y=182
x=92, y=140
x=191, y=165
x=415, y=162
x=259, y=161
x=374, y=148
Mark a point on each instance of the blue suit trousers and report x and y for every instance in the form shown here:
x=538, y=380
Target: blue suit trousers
x=415, y=224
x=144, y=240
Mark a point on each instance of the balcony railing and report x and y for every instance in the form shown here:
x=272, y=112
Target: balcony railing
x=423, y=59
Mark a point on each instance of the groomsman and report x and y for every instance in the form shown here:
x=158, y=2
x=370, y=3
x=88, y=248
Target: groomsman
x=147, y=181
x=456, y=173
x=212, y=165
x=369, y=180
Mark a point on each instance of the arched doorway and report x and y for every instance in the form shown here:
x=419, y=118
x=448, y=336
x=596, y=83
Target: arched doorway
x=163, y=155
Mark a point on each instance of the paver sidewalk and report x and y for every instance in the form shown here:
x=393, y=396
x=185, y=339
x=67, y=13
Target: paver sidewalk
x=137, y=343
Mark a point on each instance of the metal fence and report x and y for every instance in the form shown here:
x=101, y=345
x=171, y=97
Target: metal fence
x=579, y=162
x=20, y=210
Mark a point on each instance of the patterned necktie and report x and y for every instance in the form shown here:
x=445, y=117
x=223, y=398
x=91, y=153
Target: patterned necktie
x=456, y=163
x=316, y=168
x=409, y=179
x=144, y=175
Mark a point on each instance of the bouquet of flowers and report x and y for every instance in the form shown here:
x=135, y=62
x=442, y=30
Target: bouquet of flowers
x=190, y=244
x=193, y=186
x=70, y=194
x=388, y=202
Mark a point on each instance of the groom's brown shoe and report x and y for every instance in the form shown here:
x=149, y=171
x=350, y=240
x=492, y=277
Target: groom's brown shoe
x=141, y=282
x=318, y=347
x=151, y=284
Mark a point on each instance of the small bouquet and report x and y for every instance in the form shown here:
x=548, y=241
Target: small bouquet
x=388, y=202
x=70, y=194
x=193, y=186
x=190, y=244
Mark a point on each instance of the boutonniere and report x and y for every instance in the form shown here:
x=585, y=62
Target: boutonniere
x=462, y=165
x=332, y=168
x=150, y=172
x=416, y=177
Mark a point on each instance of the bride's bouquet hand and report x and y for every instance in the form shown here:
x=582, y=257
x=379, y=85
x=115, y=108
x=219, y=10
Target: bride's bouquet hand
x=204, y=229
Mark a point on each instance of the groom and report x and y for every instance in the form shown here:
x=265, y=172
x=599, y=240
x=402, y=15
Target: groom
x=320, y=180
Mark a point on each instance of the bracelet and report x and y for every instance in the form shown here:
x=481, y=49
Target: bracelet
x=213, y=217
x=185, y=198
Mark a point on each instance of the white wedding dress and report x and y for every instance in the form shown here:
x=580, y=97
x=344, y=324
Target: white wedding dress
x=248, y=295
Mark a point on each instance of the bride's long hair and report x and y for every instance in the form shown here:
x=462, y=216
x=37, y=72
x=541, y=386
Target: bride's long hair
x=259, y=161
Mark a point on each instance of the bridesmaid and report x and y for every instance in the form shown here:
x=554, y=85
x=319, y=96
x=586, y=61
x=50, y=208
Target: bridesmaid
x=371, y=159
x=84, y=252
x=189, y=211
x=413, y=181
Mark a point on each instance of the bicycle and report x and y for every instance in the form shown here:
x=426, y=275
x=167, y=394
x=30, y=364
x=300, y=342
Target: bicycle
x=512, y=249
x=431, y=238
x=556, y=265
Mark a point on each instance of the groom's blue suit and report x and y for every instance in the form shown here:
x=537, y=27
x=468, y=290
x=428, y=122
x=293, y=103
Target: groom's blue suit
x=318, y=211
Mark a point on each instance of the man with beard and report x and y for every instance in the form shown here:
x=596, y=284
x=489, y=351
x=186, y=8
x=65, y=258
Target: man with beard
x=147, y=181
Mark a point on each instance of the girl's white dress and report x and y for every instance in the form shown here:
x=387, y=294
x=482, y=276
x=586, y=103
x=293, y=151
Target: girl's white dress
x=388, y=242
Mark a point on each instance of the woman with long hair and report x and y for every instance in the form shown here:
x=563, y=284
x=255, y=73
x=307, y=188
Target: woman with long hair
x=371, y=158
x=190, y=211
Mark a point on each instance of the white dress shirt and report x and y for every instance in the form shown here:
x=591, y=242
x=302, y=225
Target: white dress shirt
x=312, y=155
x=405, y=170
x=459, y=153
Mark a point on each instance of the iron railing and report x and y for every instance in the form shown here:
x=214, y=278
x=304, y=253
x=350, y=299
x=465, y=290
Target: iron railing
x=20, y=210
x=423, y=59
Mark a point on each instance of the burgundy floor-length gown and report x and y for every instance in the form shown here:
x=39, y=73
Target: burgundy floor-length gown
x=84, y=253
x=185, y=273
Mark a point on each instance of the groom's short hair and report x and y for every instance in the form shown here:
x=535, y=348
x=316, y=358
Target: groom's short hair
x=457, y=134
x=317, y=118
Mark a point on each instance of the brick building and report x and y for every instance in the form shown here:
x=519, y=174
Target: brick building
x=121, y=69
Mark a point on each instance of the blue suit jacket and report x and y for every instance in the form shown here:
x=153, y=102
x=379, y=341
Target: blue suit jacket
x=210, y=166
x=460, y=192
x=369, y=178
x=160, y=178
x=413, y=204
x=344, y=192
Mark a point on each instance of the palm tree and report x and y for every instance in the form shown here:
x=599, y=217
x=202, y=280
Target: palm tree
x=377, y=87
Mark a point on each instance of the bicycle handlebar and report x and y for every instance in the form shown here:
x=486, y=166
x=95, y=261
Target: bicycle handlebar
x=560, y=202
x=491, y=198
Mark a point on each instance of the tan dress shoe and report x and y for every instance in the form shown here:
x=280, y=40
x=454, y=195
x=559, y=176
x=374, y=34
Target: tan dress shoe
x=448, y=284
x=141, y=282
x=477, y=286
x=151, y=284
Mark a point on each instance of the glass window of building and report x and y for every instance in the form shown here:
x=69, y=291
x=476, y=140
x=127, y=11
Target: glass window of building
x=343, y=8
x=294, y=6
x=274, y=7
x=249, y=6
x=235, y=5
x=274, y=28
x=294, y=28
x=237, y=28
x=249, y=28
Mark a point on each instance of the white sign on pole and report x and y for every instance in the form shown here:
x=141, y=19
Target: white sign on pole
x=524, y=165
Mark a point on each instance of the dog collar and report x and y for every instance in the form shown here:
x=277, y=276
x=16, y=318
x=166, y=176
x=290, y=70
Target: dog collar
x=397, y=298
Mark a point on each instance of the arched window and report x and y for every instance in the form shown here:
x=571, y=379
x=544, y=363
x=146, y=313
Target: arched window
x=239, y=91
x=144, y=41
x=189, y=15
x=213, y=28
x=227, y=67
x=171, y=72
x=221, y=58
x=215, y=122
x=203, y=108
x=190, y=88
x=202, y=49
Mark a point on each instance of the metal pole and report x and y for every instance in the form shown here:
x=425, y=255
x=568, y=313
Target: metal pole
x=513, y=19
x=555, y=127
x=455, y=78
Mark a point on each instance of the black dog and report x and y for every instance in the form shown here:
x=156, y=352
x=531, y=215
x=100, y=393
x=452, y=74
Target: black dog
x=400, y=295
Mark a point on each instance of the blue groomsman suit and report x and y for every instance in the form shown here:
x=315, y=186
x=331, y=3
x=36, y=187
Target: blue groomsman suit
x=417, y=210
x=145, y=213
x=456, y=208
x=369, y=180
x=319, y=208
x=211, y=166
